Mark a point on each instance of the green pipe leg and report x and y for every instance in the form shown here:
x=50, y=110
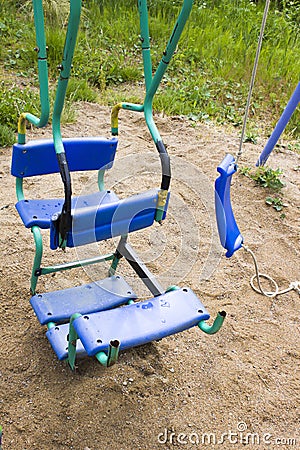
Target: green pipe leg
x=215, y=327
x=114, y=264
x=19, y=189
x=72, y=341
x=115, y=114
x=37, y=258
x=111, y=357
x=65, y=70
x=101, y=174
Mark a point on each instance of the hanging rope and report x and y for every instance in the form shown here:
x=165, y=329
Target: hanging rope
x=258, y=276
x=295, y=285
x=260, y=39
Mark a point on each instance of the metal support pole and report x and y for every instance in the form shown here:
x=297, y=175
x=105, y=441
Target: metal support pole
x=281, y=124
x=125, y=249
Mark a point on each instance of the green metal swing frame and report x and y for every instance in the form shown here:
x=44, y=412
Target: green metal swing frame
x=152, y=82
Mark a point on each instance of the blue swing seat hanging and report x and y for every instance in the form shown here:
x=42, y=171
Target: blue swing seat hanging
x=229, y=233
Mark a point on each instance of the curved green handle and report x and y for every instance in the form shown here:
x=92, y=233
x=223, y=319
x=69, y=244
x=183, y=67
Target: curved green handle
x=215, y=327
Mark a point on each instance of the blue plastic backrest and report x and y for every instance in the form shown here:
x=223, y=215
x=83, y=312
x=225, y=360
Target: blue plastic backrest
x=230, y=236
x=107, y=220
x=39, y=158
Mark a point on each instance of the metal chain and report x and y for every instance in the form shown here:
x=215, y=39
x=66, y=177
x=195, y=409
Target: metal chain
x=260, y=39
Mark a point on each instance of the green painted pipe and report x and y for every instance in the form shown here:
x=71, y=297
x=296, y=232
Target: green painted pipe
x=215, y=327
x=38, y=240
x=172, y=288
x=145, y=38
x=162, y=67
x=74, y=264
x=101, y=185
x=42, y=61
x=19, y=189
x=65, y=69
x=72, y=341
x=111, y=357
x=42, y=73
x=65, y=219
x=115, y=114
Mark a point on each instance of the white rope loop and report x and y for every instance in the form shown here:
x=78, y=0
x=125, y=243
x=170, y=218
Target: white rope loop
x=295, y=285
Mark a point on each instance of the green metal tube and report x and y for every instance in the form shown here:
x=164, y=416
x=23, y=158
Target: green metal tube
x=162, y=67
x=101, y=185
x=172, y=288
x=171, y=46
x=65, y=218
x=215, y=327
x=74, y=264
x=72, y=341
x=37, y=258
x=145, y=38
x=19, y=189
x=65, y=69
x=42, y=63
x=42, y=73
x=102, y=358
x=111, y=357
x=115, y=114
x=113, y=267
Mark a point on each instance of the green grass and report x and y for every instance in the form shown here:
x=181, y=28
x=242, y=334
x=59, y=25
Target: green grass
x=7, y=136
x=208, y=78
x=14, y=100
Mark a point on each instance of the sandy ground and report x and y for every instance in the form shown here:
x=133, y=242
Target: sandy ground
x=236, y=389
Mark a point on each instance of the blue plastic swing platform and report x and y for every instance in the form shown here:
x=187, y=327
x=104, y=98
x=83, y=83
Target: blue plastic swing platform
x=132, y=325
x=58, y=306
x=230, y=236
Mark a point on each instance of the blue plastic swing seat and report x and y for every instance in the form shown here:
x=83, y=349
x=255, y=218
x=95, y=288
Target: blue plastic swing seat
x=39, y=158
x=96, y=216
x=58, y=306
x=40, y=211
x=230, y=236
x=132, y=325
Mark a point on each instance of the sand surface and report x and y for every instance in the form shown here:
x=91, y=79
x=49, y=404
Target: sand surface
x=236, y=389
